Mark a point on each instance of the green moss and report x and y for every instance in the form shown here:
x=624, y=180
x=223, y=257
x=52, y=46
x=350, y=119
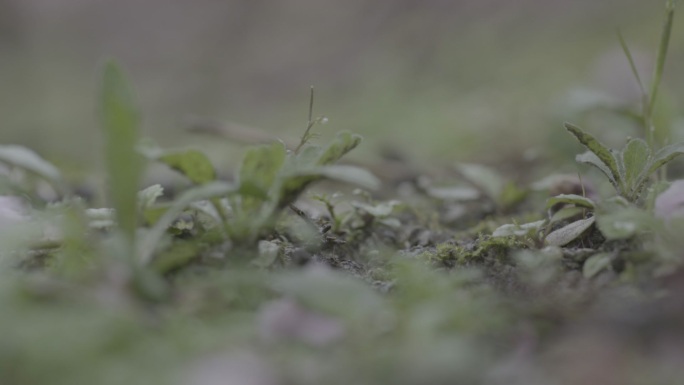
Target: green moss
x=485, y=250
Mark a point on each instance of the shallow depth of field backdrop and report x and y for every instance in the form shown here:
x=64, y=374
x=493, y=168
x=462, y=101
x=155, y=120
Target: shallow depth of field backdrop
x=437, y=80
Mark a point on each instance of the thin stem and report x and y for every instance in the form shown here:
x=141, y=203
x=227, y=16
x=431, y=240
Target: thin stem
x=311, y=100
x=632, y=64
x=311, y=122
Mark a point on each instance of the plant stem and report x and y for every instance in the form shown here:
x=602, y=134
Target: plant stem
x=309, y=125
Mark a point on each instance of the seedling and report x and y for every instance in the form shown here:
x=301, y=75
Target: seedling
x=629, y=169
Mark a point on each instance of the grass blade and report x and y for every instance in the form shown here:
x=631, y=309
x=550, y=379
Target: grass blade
x=662, y=54
x=632, y=65
x=121, y=121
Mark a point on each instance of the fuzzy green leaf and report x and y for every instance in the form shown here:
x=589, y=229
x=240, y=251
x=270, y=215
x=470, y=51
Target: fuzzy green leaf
x=261, y=165
x=636, y=158
x=665, y=155
x=608, y=163
x=124, y=165
x=569, y=233
x=591, y=159
x=623, y=223
x=577, y=200
x=566, y=213
x=341, y=145
x=194, y=164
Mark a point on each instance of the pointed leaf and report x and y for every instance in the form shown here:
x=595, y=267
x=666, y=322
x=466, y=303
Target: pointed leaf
x=124, y=165
x=567, y=213
x=341, y=145
x=636, y=158
x=576, y=200
x=261, y=165
x=194, y=164
x=603, y=153
x=591, y=159
x=569, y=233
x=665, y=155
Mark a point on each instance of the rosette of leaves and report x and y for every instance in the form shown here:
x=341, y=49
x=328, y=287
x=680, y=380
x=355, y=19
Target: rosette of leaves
x=268, y=180
x=629, y=169
x=271, y=178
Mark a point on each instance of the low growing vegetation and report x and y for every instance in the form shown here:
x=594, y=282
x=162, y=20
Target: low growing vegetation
x=270, y=278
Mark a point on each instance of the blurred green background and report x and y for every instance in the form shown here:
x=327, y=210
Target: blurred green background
x=436, y=80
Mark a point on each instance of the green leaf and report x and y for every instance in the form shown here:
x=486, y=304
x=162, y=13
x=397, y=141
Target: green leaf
x=569, y=233
x=665, y=155
x=566, y=213
x=608, y=163
x=623, y=223
x=343, y=143
x=636, y=158
x=124, y=165
x=296, y=181
x=194, y=164
x=576, y=200
x=261, y=165
x=596, y=263
x=591, y=159
x=23, y=158
x=203, y=192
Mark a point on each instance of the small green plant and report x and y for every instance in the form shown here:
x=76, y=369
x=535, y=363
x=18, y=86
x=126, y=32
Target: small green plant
x=629, y=169
x=269, y=179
